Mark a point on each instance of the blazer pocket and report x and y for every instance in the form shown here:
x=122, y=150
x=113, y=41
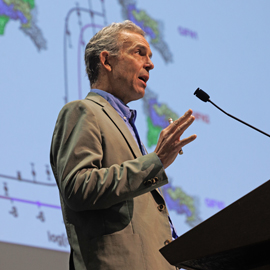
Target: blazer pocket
x=116, y=251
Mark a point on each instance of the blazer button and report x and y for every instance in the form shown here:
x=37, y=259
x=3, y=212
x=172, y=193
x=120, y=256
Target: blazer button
x=161, y=207
x=148, y=182
x=167, y=242
x=154, y=180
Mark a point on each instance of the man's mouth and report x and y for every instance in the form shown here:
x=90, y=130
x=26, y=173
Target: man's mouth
x=144, y=78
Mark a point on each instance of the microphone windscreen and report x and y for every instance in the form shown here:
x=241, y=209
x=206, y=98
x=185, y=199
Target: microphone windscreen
x=199, y=93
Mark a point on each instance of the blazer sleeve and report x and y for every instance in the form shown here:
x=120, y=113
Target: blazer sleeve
x=76, y=159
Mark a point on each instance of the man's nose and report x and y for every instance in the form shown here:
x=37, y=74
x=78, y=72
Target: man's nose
x=149, y=64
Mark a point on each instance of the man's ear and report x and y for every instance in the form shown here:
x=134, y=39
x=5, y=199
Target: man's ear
x=105, y=60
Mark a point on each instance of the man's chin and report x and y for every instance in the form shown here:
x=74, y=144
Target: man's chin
x=141, y=94
x=138, y=94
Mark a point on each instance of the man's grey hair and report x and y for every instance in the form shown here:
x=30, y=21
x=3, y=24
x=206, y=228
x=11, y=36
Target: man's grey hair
x=107, y=39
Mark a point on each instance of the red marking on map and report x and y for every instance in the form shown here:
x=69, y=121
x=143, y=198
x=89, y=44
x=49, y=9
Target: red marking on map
x=202, y=117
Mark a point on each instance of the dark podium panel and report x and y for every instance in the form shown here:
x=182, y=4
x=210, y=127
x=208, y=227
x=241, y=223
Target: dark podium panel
x=238, y=237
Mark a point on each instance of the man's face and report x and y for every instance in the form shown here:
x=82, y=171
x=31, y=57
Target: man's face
x=130, y=69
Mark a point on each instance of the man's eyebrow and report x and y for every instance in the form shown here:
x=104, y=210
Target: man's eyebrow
x=145, y=48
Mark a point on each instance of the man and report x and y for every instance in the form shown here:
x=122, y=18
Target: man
x=114, y=214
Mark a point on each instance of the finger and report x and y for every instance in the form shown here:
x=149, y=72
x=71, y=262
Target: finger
x=180, y=129
x=174, y=124
x=168, y=132
x=186, y=141
x=183, y=118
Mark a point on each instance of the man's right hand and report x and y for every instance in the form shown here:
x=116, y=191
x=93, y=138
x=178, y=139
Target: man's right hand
x=169, y=142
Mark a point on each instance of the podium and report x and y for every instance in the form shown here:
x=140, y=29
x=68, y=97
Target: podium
x=237, y=237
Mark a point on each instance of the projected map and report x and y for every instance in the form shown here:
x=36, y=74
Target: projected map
x=29, y=196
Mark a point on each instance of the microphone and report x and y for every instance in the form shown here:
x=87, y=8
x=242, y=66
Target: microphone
x=199, y=93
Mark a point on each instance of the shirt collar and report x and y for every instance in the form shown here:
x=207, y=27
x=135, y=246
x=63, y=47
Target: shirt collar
x=122, y=109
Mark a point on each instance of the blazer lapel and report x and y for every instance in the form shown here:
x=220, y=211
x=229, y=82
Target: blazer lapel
x=122, y=127
x=117, y=120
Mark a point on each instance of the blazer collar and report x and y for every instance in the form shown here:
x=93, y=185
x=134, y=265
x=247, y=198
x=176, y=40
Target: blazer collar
x=117, y=120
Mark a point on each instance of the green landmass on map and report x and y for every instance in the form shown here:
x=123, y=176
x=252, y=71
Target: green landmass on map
x=182, y=203
x=25, y=7
x=184, y=199
x=142, y=16
x=153, y=133
x=165, y=111
x=17, y=3
x=157, y=115
x=30, y=2
x=3, y=22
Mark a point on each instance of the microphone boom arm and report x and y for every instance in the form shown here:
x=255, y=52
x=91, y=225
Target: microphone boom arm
x=199, y=93
x=238, y=119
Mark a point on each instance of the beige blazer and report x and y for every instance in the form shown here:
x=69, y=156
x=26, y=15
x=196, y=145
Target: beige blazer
x=114, y=216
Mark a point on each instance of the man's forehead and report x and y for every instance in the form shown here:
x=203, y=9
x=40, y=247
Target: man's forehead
x=132, y=40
